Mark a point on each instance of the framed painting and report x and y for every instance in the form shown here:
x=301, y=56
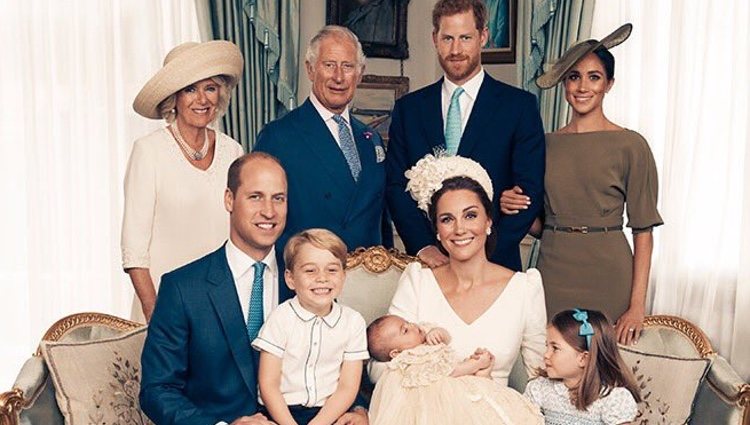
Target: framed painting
x=374, y=100
x=380, y=25
x=501, y=46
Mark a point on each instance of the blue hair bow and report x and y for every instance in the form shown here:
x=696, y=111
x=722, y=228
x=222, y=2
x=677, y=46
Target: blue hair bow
x=586, y=329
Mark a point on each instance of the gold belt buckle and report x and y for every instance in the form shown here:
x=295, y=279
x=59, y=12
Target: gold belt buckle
x=580, y=229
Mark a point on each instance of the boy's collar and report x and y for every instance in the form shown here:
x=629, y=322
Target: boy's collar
x=331, y=319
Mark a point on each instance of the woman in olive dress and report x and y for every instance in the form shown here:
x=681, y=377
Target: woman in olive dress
x=596, y=170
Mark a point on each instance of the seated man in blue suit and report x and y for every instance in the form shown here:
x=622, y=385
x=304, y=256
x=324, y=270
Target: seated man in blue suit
x=198, y=366
x=470, y=114
x=334, y=163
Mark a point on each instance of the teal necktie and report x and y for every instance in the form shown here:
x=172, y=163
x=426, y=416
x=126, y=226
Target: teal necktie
x=348, y=147
x=453, y=123
x=255, y=312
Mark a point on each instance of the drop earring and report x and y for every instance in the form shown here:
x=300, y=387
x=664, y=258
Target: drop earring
x=438, y=236
x=489, y=231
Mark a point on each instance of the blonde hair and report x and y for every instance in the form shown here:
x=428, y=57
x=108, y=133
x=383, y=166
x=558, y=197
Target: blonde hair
x=319, y=238
x=605, y=369
x=167, y=107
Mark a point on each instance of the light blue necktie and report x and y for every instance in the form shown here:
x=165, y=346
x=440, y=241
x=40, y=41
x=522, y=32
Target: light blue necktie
x=255, y=312
x=453, y=123
x=348, y=147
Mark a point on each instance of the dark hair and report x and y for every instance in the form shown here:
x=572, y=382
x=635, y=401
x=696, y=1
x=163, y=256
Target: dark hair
x=376, y=344
x=605, y=369
x=454, y=7
x=233, y=175
x=462, y=183
x=608, y=61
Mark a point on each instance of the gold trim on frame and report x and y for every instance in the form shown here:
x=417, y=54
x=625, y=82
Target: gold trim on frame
x=11, y=403
x=743, y=401
x=68, y=323
x=690, y=331
x=377, y=259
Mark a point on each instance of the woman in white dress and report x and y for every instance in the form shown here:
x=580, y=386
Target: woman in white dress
x=176, y=176
x=481, y=304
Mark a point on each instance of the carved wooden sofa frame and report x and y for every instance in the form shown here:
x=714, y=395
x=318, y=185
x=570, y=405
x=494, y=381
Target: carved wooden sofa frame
x=722, y=399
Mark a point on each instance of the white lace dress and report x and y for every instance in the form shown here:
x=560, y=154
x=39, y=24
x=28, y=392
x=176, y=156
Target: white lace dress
x=417, y=389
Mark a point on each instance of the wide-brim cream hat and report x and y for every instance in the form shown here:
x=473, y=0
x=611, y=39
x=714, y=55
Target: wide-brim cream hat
x=186, y=64
x=568, y=60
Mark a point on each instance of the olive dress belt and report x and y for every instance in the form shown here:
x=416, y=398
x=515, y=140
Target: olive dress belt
x=582, y=229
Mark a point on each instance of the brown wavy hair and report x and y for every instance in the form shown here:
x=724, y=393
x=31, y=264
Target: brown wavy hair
x=605, y=369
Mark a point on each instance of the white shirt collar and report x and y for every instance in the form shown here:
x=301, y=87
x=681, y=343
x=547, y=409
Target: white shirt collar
x=331, y=319
x=325, y=113
x=240, y=263
x=471, y=87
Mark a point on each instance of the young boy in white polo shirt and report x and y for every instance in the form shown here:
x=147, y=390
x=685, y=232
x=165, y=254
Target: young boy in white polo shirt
x=312, y=348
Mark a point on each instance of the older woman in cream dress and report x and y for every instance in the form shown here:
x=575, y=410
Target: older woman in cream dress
x=176, y=176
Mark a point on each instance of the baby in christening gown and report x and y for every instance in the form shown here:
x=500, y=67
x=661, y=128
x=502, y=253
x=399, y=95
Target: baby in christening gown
x=425, y=383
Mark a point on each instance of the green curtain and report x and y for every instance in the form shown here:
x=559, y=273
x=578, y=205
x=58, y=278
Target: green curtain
x=267, y=33
x=546, y=29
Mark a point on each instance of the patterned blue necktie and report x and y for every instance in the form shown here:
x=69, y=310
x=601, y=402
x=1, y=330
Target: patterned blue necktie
x=255, y=312
x=348, y=147
x=453, y=123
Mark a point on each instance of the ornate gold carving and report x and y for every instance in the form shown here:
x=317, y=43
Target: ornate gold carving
x=68, y=323
x=11, y=403
x=377, y=259
x=743, y=401
x=690, y=331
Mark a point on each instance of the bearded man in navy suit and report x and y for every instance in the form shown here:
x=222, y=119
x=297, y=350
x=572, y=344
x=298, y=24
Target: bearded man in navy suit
x=334, y=163
x=495, y=124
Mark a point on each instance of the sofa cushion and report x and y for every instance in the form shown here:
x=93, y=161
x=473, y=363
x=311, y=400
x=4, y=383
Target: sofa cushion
x=97, y=382
x=668, y=385
x=369, y=293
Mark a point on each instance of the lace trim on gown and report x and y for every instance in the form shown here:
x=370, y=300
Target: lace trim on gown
x=423, y=364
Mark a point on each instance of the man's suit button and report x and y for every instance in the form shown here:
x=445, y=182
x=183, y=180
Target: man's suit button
x=327, y=195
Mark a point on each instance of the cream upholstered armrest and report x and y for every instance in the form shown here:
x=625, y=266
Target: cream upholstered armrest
x=32, y=399
x=26, y=389
x=723, y=397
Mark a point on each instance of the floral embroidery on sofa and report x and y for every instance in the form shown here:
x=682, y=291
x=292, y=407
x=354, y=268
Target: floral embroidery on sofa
x=121, y=397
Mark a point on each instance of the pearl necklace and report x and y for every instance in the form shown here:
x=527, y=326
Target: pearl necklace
x=192, y=153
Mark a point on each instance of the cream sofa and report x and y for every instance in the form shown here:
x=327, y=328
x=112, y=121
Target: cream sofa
x=722, y=397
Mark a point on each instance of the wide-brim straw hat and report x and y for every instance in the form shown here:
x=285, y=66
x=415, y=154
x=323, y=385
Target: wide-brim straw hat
x=568, y=60
x=184, y=65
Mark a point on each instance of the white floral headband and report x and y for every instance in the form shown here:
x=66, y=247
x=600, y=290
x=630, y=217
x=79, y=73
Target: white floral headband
x=427, y=176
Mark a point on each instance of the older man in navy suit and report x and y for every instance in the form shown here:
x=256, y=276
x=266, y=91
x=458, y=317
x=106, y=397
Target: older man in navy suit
x=470, y=114
x=334, y=163
x=198, y=367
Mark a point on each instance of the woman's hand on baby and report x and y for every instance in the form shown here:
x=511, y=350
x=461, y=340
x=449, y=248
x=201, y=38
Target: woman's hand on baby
x=438, y=336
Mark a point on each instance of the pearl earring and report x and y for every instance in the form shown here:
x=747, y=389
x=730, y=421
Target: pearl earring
x=438, y=236
x=489, y=231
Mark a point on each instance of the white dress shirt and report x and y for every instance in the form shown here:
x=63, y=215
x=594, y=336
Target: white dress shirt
x=243, y=273
x=467, y=99
x=327, y=116
x=312, y=349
